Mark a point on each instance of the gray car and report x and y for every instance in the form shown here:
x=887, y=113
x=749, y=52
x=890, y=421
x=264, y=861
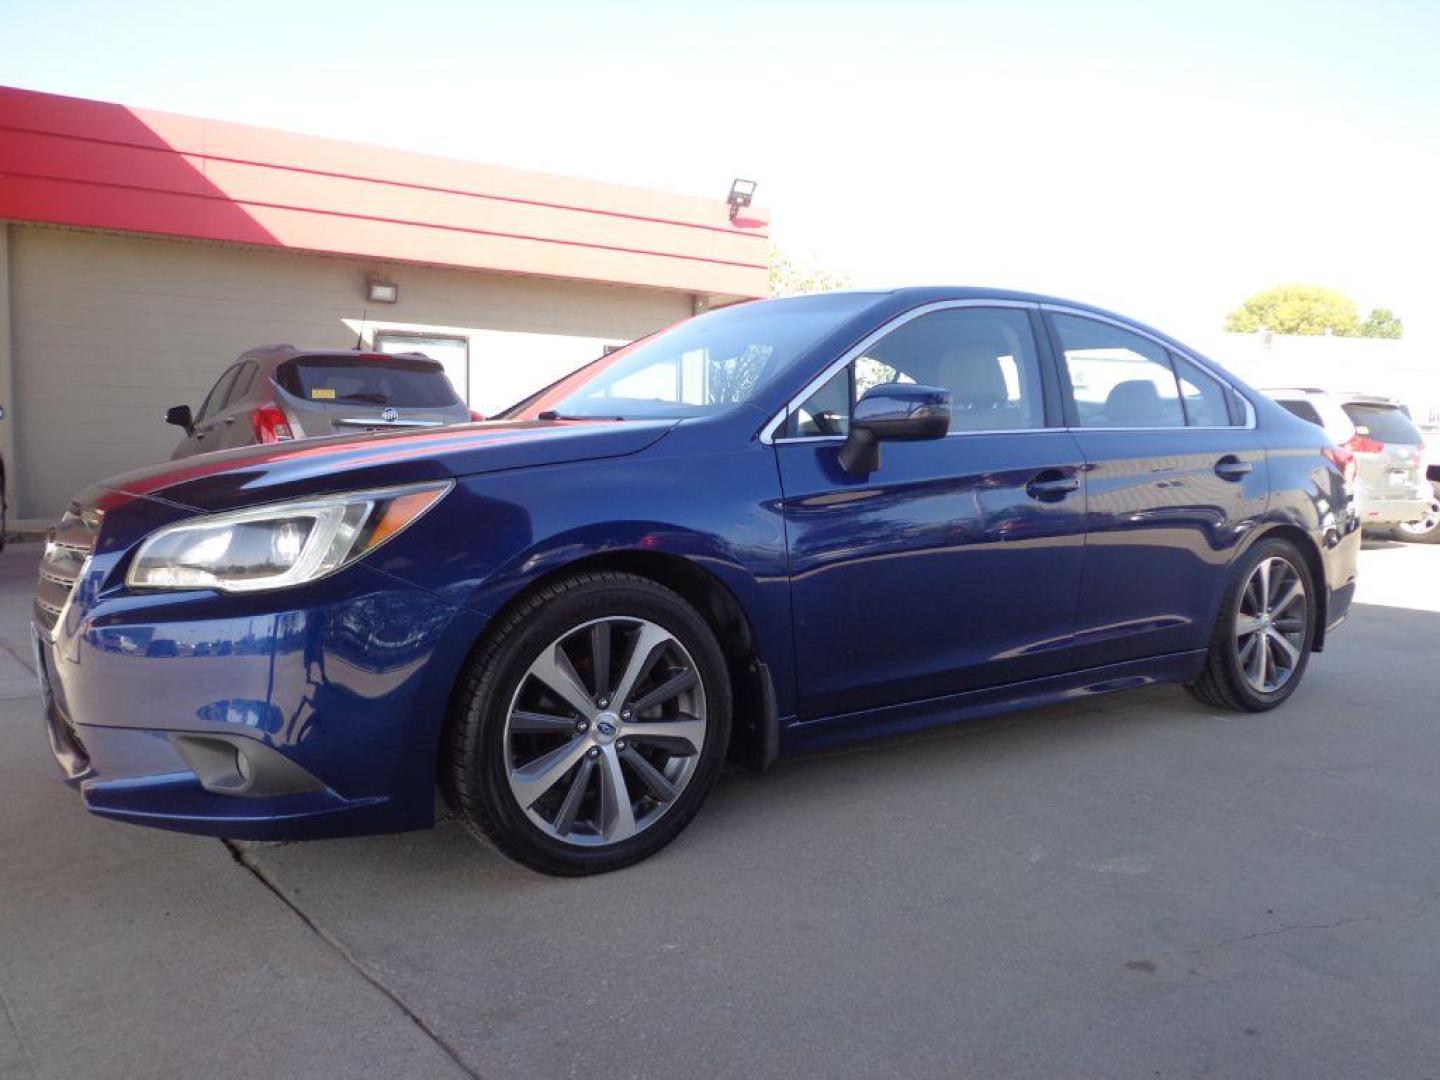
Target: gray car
x=1387, y=449
x=276, y=393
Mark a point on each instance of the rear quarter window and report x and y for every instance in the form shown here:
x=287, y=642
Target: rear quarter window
x=403, y=381
x=1384, y=423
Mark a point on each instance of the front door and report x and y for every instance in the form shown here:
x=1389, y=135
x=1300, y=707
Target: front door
x=956, y=564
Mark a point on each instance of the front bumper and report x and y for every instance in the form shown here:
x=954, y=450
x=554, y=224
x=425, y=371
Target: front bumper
x=332, y=694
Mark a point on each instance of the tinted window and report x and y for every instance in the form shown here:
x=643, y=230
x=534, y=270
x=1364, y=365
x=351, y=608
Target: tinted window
x=450, y=351
x=712, y=361
x=1118, y=379
x=1304, y=410
x=241, y=385
x=217, y=393
x=1203, y=395
x=985, y=357
x=414, y=382
x=1383, y=423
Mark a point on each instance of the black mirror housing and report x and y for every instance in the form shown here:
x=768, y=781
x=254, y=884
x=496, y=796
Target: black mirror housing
x=897, y=411
x=180, y=416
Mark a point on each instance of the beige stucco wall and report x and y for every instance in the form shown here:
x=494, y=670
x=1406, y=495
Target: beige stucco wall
x=109, y=330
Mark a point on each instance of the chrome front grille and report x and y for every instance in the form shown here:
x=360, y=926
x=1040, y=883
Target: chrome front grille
x=67, y=546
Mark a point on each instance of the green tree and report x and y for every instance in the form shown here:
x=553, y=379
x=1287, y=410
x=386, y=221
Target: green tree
x=1296, y=309
x=790, y=277
x=1382, y=322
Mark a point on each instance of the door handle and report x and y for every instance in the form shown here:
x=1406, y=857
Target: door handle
x=1231, y=467
x=229, y=420
x=1052, y=485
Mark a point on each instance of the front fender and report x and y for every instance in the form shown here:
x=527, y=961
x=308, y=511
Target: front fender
x=495, y=536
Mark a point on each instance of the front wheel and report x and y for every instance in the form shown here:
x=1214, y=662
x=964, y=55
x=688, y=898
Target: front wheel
x=590, y=727
x=1427, y=529
x=1264, y=634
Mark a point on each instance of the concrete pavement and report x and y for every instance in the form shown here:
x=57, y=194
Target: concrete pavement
x=1130, y=887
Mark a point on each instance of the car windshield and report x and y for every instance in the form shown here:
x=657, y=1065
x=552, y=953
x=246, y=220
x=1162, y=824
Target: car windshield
x=1383, y=423
x=707, y=363
x=414, y=382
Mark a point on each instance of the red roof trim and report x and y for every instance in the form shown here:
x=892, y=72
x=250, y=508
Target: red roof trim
x=388, y=220
x=723, y=230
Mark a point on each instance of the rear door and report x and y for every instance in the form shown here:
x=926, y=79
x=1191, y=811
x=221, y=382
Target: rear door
x=329, y=393
x=956, y=564
x=1175, y=475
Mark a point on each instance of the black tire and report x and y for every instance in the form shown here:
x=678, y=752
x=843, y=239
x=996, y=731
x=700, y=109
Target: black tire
x=1430, y=535
x=473, y=769
x=1223, y=683
x=4, y=513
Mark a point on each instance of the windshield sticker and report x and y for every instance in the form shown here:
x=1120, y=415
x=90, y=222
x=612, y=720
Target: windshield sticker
x=323, y=393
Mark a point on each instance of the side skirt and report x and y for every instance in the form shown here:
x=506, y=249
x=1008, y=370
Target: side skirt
x=829, y=731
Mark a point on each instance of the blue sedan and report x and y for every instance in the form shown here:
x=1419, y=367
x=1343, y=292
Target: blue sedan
x=773, y=528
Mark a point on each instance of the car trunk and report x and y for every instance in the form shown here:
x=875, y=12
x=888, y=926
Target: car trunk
x=337, y=393
x=1388, y=449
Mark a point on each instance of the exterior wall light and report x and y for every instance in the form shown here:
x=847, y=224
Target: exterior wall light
x=383, y=292
x=742, y=192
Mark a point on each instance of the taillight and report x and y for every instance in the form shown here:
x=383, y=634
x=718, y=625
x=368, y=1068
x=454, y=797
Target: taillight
x=476, y=416
x=270, y=425
x=1363, y=444
x=1343, y=460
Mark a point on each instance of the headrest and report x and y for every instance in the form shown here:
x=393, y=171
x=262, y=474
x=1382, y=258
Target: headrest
x=973, y=374
x=1135, y=401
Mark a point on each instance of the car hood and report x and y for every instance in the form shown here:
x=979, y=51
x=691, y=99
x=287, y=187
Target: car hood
x=258, y=474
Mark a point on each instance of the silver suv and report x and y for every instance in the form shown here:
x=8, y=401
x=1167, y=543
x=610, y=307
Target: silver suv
x=276, y=393
x=1388, y=449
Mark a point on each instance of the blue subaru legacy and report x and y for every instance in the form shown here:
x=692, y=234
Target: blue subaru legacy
x=773, y=528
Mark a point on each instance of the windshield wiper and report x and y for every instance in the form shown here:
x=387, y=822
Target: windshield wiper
x=372, y=399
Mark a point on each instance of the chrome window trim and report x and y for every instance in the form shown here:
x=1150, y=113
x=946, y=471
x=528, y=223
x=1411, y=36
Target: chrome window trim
x=767, y=433
x=1249, y=425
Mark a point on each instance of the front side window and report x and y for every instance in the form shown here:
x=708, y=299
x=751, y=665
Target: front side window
x=711, y=362
x=985, y=357
x=1118, y=379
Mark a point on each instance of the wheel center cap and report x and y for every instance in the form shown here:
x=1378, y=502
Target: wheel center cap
x=607, y=726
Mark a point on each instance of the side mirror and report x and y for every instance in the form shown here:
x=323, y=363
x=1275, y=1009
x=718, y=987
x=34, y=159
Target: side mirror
x=180, y=416
x=898, y=411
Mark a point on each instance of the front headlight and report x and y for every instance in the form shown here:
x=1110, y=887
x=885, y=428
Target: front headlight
x=270, y=547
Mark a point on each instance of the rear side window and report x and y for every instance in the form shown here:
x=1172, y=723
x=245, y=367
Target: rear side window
x=241, y=386
x=218, y=393
x=1118, y=379
x=1384, y=423
x=414, y=382
x=1304, y=410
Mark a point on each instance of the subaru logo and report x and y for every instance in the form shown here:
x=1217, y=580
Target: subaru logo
x=390, y=414
x=605, y=728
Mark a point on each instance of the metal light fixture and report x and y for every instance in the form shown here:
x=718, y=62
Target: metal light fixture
x=382, y=291
x=742, y=192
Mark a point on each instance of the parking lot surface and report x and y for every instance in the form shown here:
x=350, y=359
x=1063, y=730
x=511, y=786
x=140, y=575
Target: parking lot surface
x=1134, y=886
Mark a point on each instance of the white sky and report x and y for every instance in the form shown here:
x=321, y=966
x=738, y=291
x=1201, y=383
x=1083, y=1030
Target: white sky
x=1165, y=160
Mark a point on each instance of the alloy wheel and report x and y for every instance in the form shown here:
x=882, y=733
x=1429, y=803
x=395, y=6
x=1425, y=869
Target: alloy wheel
x=1426, y=524
x=1271, y=624
x=604, y=731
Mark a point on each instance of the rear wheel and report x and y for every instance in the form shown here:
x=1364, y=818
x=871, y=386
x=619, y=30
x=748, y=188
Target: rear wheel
x=1427, y=529
x=1263, y=637
x=590, y=728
